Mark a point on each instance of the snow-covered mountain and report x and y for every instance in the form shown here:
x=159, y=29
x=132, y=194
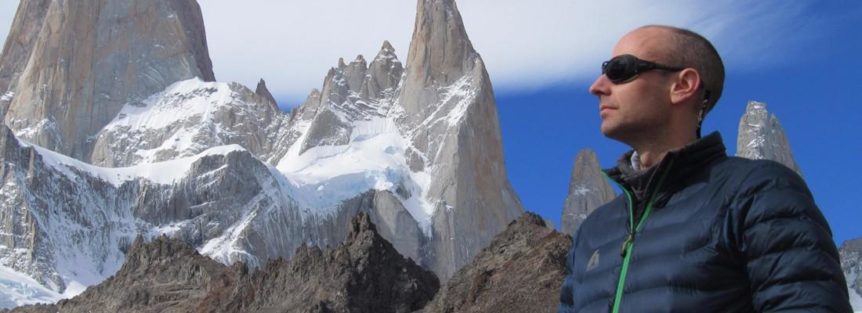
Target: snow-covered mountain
x=219, y=166
x=71, y=65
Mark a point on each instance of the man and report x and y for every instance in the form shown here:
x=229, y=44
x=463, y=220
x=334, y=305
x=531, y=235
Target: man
x=696, y=230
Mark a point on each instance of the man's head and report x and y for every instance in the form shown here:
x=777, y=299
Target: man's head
x=668, y=97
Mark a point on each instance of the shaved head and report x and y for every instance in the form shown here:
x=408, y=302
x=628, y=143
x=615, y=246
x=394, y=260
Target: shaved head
x=690, y=49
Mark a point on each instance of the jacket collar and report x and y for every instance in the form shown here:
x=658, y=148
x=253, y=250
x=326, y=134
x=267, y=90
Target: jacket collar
x=679, y=165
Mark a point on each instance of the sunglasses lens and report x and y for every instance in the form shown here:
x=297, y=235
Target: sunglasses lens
x=619, y=69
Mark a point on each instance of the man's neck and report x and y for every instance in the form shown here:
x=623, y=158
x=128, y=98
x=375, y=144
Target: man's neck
x=648, y=158
x=652, y=153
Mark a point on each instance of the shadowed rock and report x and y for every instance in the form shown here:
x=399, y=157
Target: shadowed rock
x=363, y=274
x=264, y=93
x=521, y=271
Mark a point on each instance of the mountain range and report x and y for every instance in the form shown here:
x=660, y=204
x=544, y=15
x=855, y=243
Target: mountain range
x=116, y=128
x=125, y=165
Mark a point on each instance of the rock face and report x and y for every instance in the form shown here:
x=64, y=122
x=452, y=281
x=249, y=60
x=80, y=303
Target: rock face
x=264, y=93
x=417, y=148
x=449, y=114
x=85, y=59
x=363, y=274
x=521, y=271
x=761, y=137
x=588, y=190
x=851, y=262
x=16, y=52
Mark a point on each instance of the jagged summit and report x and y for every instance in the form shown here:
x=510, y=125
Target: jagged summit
x=440, y=50
x=263, y=92
x=440, y=54
x=588, y=190
x=88, y=58
x=386, y=48
x=762, y=137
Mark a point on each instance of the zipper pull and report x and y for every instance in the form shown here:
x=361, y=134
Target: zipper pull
x=629, y=239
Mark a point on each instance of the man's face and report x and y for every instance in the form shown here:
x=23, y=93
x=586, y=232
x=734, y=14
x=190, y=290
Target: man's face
x=638, y=108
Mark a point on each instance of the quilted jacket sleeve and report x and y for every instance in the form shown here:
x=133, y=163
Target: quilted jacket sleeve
x=786, y=244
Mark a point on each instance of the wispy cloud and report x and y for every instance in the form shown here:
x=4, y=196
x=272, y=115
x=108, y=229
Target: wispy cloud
x=525, y=44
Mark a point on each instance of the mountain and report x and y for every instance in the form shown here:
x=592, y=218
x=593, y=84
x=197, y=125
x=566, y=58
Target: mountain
x=762, y=137
x=167, y=150
x=73, y=64
x=363, y=274
x=851, y=262
x=448, y=113
x=520, y=271
x=588, y=190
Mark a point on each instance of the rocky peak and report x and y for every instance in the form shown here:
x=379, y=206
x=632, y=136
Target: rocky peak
x=264, y=93
x=762, y=137
x=386, y=49
x=355, y=73
x=362, y=229
x=446, y=109
x=440, y=49
x=440, y=54
x=384, y=73
x=89, y=58
x=351, y=92
x=520, y=271
x=588, y=190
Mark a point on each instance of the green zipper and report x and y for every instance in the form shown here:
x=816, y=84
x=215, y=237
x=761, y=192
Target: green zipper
x=628, y=244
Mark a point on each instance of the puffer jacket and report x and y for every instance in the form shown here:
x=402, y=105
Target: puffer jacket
x=713, y=234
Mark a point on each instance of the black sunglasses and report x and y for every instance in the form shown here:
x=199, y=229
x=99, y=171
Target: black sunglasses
x=624, y=68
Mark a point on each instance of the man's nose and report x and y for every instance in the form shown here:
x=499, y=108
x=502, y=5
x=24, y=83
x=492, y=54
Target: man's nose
x=601, y=86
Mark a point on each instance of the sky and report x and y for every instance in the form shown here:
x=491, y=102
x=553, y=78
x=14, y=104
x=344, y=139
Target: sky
x=800, y=57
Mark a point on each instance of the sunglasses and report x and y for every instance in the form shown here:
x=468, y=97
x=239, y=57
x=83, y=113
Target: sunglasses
x=624, y=68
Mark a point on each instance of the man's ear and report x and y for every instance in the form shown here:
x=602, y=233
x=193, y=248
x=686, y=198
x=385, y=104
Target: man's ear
x=686, y=85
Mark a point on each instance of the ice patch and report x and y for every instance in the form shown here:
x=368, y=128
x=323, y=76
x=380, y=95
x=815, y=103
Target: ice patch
x=323, y=177
x=581, y=190
x=165, y=172
x=7, y=96
x=17, y=289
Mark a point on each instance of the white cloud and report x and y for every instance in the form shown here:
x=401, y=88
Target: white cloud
x=525, y=44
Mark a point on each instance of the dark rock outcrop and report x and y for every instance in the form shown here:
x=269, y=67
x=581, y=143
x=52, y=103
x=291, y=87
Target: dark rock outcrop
x=521, y=271
x=363, y=274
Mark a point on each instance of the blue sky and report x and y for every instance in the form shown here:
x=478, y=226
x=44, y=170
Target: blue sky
x=812, y=87
x=800, y=57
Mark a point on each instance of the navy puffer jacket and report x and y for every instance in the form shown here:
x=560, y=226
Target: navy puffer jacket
x=713, y=234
